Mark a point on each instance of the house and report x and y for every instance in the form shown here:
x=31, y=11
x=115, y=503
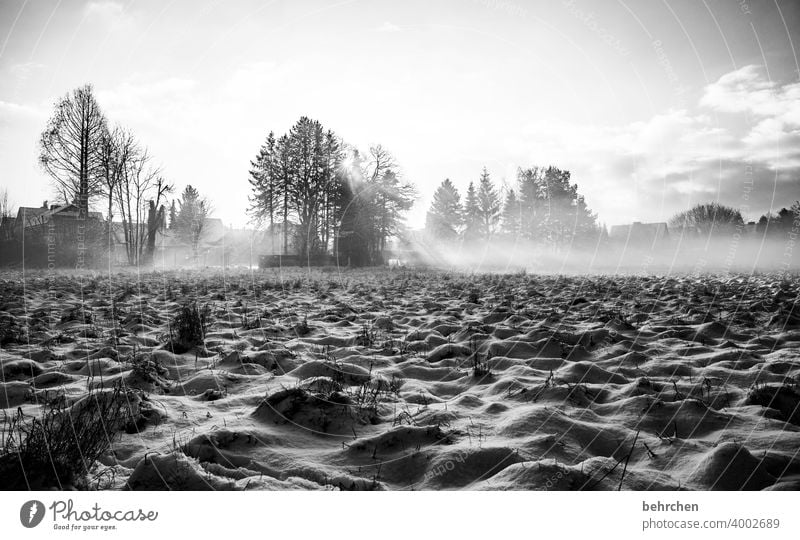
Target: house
x=639, y=233
x=39, y=232
x=55, y=235
x=61, y=221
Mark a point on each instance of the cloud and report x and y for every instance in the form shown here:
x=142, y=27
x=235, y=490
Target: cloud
x=742, y=125
x=165, y=102
x=103, y=10
x=747, y=90
x=15, y=111
x=741, y=91
x=774, y=142
x=110, y=16
x=388, y=27
x=24, y=71
x=772, y=112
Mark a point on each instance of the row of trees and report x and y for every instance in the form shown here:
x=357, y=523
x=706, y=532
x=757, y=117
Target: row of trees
x=713, y=219
x=87, y=160
x=337, y=201
x=323, y=195
x=544, y=207
x=781, y=223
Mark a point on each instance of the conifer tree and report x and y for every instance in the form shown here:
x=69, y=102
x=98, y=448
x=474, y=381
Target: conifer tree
x=173, y=215
x=444, y=218
x=472, y=215
x=191, y=218
x=511, y=217
x=488, y=206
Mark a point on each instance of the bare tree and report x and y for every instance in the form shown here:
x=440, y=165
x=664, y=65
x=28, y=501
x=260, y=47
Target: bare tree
x=380, y=161
x=71, y=147
x=116, y=149
x=139, y=184
x=707, y=220
x=5, y=206
x=6, y=215
x=156, y=214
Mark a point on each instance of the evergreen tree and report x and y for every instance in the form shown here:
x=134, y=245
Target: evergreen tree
x=512, y=216
x=302, y=180
x=355, y=215
x=444, y=219
x=530, y=202
x=284, y=165
x=472, y=215
x=173, y=215
x=266, y=181
x=488, y=206
x=553, y=212
x=559, y=198
x=779, y=224
x=192, y=213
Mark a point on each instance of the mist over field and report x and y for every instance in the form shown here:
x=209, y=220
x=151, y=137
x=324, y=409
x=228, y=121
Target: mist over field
x=682, y=256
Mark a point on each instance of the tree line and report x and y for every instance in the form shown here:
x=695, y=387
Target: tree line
x=322, y=195
x=544, y=207
x=715, y=219
x=312, y=190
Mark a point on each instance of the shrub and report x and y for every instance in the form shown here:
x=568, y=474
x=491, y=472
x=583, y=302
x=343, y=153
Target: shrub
x=59, y=448
x=189, y=327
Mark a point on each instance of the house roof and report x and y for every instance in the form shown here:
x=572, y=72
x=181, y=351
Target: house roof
x=31, y=216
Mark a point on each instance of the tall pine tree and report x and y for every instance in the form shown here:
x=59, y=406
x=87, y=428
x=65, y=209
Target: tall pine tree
x=444, y=219
x=191, y=219
x=267, y=186
x=173, y=215
x=302, y=182
x=472, y=215
x=552, y=210
x=488, y=206
x=511, y=218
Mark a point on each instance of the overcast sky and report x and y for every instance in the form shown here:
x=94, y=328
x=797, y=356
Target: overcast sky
x=653, y=105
